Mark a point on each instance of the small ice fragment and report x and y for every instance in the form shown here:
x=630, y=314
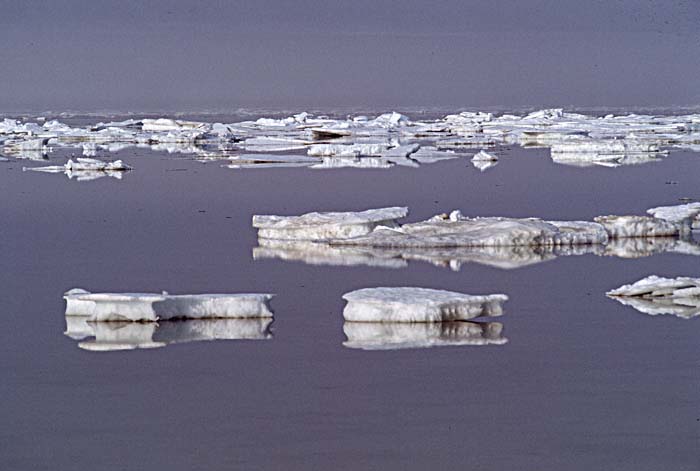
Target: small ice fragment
x=484, y=165
x=657, y=295
x=483, y=156
x=146, y=307
x=418, y=305
x=394, y=336
x=331, y=225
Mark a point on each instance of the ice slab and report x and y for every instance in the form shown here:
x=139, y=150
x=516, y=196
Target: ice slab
x=637, y=226
x=441, y=231
x=394, y=336
x=328, y=225
x=405, y=304
x=679, y=214
x=483, y=156
x=147, y=307
x=110, y=336
x=86, y=169
x=656, y=295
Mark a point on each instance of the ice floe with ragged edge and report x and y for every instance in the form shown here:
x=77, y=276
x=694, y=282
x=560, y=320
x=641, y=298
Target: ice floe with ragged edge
x=406, y=304
x=405, y=317
x=392, y=138
x=375, y=238
x=656, y=295
x=151, y=307
x=86, y=169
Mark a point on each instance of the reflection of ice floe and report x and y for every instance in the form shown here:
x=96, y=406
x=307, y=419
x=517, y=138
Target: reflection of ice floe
x=85, y=169
x=656, y=295
x=482, y=160
x=386, y=336
x=404, y=304
x=394, y=138
x=146, y=307
x=375, y=238
x=135, y=335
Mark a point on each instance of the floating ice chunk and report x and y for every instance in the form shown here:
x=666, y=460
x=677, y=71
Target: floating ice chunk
x=347, y=150
x=637, y=226
x=85, y=169
x=657, y=295
x=331, y=225
x=483, y=156
x=418, y=305
x=678, y=214
x=401, y=155
x=329, y=133
x=440, y=231
x=31, y=149
x=430, y=154
x=394, y=336
x=392, y=119
x=164, y=124
x=110, y=336
x=483, y=165
x=145, y=307
x=272, y=158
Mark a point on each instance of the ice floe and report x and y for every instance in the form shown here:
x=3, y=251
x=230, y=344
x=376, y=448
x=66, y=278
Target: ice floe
x=394, y=336
x=405, y=304
x=110, y=336
x=573, y=138
x=375, y=238
x=147, y=307
x=656, y=295
x=331, y=225
x=85, y=169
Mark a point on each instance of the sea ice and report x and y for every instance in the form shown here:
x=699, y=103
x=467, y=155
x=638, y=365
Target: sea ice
x=637, y=226
x=331, y=225
x=146, y=307
x=657, y=295
x=418, y=305
x=679, y=214
x=85, y=169
x=394, y=336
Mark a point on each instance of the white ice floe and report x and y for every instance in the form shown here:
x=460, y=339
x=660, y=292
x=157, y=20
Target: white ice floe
x=330, y=225
x=574, y=139
x=147, y=307
x=110, y=336
x=84, y=169
x=418, y=305
x=638, y=226
x=656, y=295
x=679, y=214
x=394, y=336
x=483, y=156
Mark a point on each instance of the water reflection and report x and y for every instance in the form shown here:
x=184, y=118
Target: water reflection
x=108, y=336
x=395, y=336
x=684, y=308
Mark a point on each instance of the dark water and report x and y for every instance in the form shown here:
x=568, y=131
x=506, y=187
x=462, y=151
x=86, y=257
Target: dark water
x=583, y=383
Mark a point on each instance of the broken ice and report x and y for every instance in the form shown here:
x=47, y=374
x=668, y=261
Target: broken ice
x=391, y=138
x=405, y=304
x=147, y=307
x=656, y=295
x=375, y=237
x=86, y=169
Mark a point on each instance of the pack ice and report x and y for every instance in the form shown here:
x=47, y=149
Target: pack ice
x=385, y=141
x=109, y=336
x=656, y=295
x=405, y=304
x=147, y=307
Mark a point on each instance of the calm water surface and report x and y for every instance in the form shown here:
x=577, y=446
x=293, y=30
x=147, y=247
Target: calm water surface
x=583, y=383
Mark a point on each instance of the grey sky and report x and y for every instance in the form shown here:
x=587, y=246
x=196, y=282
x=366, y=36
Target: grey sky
x=187, y=55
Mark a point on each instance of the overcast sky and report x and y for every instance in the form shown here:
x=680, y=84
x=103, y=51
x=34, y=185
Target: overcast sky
x=193, y=55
